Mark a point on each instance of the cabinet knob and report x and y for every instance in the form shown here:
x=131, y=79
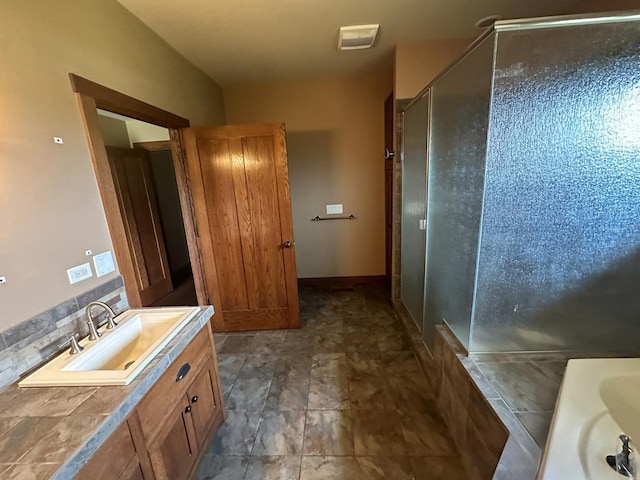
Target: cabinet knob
x=194, y=399
x=187, y=409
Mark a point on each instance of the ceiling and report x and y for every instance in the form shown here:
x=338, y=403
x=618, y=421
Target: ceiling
x=257, y=40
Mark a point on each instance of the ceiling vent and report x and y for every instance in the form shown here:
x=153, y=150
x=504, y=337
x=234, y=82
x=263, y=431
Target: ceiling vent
x=357, y=37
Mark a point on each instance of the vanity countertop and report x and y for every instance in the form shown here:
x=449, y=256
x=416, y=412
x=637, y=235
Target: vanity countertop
x=51, y=432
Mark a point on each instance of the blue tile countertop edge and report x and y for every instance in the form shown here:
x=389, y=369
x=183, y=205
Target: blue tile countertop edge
x=132, y=396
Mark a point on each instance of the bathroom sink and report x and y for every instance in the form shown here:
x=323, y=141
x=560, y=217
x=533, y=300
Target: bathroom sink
x=621, y=395
x=599, y=400
x=119, y=355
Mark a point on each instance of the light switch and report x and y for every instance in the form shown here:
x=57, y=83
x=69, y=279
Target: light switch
x=334, y=209
x=104, y=263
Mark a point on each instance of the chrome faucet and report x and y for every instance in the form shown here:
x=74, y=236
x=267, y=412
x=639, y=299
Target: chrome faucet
x=622, y=462
x=93, y=332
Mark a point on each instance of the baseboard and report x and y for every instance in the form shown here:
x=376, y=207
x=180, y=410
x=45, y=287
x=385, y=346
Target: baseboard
x=343, y=282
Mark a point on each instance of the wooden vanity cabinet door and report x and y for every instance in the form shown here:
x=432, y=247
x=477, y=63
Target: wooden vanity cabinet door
x=159, y=401
x=203, y=403
x=173, y=451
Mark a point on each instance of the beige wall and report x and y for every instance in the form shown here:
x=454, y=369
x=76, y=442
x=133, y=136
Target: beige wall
x=417, y=64
x=146, y=132
x=50, y=209
x=592, y=6
x=335, y=136
x=114, y=132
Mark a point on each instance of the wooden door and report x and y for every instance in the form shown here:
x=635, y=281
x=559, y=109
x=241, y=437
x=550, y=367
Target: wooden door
x=138, y=204
x=240, y=186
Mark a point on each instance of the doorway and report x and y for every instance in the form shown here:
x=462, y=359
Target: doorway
x=175, y=240
x=255, y=156
x=91, y=97
x=142, y=166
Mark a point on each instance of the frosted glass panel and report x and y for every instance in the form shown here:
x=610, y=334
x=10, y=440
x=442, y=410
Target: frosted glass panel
x=414, y=174
x=559, y=264
x=459, y=120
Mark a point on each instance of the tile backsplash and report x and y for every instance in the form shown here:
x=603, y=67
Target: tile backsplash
x=29, y=343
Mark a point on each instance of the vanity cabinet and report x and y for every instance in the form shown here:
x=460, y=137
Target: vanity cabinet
x=168, y=432
x=117, y=458
x=203, y=403
x=187, y=429
x=182, y=411
x=172, y=452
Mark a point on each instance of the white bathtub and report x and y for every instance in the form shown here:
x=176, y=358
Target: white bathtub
x=599, y=399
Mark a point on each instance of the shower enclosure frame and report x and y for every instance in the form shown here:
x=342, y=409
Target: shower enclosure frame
x=427, y=328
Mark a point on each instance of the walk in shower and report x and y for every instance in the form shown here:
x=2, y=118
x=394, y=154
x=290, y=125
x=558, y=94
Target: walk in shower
x=528, y=153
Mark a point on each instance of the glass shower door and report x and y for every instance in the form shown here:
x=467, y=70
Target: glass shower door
x=414, y=185
x=457, y=146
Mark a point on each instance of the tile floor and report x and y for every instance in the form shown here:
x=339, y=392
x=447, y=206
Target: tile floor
x=341, y=398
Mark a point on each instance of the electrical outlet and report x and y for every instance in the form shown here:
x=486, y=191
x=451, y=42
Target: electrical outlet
x=79, y=273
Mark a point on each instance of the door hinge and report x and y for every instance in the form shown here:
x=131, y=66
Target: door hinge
x=195, y=228
x=184, y=154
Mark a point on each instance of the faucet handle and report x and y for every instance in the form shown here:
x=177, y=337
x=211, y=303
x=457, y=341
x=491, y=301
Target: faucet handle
x=73, y=342
x=75, y=346
x=111, y=323
x=625, y=442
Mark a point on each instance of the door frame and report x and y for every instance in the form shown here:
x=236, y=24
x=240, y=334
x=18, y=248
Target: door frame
x=389, y=167
x=92, y=96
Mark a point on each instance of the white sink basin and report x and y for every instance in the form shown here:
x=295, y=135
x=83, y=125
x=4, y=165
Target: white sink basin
x=599, y=400
x=119, y=355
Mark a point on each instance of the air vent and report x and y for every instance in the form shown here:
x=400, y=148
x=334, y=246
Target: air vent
x=357, y=37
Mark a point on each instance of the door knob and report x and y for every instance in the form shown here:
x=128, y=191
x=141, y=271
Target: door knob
x=187, y=409
x=288, y=244
x=194, y=399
